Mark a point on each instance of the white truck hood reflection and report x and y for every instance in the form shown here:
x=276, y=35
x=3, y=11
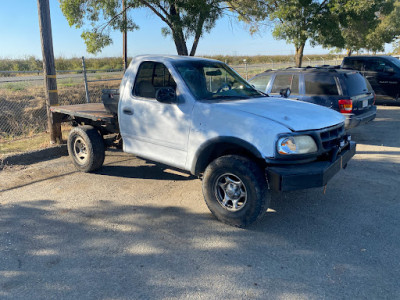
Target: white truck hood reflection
x=296, y=115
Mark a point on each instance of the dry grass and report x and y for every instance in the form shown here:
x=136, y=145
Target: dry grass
x=26, y=144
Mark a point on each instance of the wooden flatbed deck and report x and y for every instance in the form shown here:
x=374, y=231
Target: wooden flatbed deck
x=91, y=111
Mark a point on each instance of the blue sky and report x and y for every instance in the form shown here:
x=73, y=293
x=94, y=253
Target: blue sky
x=20, y=36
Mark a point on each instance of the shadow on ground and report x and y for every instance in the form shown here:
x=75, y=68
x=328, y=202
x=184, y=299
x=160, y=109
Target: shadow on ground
x=309, y=246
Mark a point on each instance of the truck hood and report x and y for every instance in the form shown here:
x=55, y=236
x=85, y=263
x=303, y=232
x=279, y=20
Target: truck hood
x=296, y=115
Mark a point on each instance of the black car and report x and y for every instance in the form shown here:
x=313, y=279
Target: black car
x=345, y=91
x=382, y=72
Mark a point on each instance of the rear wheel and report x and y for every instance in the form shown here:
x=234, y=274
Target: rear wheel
x=235, y=190
x=86, y=148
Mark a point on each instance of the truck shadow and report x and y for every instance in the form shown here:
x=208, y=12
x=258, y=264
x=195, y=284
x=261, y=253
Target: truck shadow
x=380, y=132
x=148, y=171
x=310, y=246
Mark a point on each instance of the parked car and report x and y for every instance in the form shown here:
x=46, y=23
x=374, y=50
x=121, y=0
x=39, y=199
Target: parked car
x=345, y=91
x=382, y=72
x=200, y=116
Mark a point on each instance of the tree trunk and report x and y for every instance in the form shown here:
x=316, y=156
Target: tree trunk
x=199, y=31
x=180, y=42
x=349, y=52
x=177, y=32
x=299, y=55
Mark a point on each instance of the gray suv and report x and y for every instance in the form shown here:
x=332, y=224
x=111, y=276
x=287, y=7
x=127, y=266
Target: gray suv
x=345, y=91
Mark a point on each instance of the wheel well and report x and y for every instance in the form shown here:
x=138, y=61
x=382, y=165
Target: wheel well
x=215, y=150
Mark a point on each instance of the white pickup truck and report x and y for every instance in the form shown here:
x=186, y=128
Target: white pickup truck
x=200, y=116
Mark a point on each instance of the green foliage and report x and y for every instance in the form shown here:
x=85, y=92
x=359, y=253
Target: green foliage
x=396, y=47
x=184, y=19
x=95, y=41
x=109, y=63
x=62, y=64
x=14, y=86
x=102, y=16
x=342, y=24
x=29, y=63
x=366, y=24
x=295, y=21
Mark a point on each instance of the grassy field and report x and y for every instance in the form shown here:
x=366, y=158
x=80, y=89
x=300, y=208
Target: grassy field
x=31, y=63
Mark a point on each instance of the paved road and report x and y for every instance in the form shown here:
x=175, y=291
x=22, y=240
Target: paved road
x=137, y=231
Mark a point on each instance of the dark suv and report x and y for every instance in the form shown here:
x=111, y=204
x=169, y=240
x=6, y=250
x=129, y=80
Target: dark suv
x=345, y=91
x=382, y=72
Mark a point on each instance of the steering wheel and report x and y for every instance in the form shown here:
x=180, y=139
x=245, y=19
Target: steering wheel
x=224, y=87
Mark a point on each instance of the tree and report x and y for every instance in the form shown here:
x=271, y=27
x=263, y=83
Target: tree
x=396, y=46
x=387, y=31
x=296, y=21
x=366, y=24
x=183, y=19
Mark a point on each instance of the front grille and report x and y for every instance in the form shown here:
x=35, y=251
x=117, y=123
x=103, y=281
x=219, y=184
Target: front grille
x=331, y=137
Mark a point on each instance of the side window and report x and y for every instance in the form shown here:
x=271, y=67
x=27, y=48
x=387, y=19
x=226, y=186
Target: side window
x=353, y=64
x=261, y=82
x=283, y=81
x=150, y=77
x=320, y=85
x=376, y=65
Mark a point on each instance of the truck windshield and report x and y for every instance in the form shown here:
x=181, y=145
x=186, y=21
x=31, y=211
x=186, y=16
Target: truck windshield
x=394, y=61
x=215, y=81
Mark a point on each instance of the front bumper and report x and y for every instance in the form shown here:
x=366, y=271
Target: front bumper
x=310, y=175
x=356, y=120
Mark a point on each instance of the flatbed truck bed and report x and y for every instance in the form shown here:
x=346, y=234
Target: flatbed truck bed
x=94, y=114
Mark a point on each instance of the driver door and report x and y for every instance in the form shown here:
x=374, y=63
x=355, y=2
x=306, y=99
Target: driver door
x=156, y=130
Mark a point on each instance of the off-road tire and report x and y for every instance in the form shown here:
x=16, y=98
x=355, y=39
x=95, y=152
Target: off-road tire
x=253, y=184
x=86, y=148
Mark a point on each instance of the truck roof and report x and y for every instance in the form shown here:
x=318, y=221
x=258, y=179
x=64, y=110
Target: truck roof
x=323, y=69
x=170, y=58
x=367, y=56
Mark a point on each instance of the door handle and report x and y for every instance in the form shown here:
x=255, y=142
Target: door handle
x=127, y=111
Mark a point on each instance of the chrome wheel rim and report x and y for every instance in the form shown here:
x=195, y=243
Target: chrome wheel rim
x=230, y=192
x=80, y=150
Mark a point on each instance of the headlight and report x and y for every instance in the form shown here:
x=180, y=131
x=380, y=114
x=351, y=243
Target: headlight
x=300, y=144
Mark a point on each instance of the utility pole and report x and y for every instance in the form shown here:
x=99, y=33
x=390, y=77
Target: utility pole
x=125, y=37
x=49, y=70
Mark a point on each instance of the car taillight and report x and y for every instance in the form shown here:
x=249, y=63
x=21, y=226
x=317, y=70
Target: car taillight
x=345, y=106
x=374, y=99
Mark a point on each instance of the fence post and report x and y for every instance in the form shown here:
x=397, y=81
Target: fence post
x=85, y=79
x=245, y=67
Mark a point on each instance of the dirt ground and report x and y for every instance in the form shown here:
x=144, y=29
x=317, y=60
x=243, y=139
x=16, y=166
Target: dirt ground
x=135, y=230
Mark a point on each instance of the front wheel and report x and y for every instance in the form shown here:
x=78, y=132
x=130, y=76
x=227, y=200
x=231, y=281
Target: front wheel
x=235, y=190
x=86, y=148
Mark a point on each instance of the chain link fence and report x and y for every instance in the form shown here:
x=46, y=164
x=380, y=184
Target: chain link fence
x=23, y=103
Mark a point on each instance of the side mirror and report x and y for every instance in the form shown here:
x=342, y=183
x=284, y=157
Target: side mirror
x=166, y=95
x=285, y=92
